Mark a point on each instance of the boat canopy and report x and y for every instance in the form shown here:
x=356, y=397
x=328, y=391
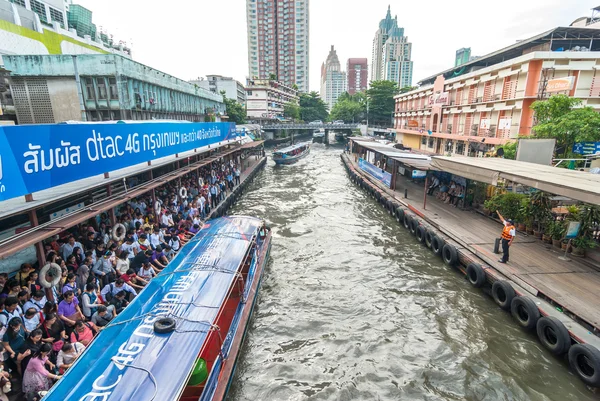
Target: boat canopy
x=292, y=147
x=128, y=360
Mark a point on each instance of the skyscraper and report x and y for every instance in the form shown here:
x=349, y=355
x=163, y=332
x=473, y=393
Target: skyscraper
x=391, y=59
x=357, y=71
x=333, y=79
x=278, y=41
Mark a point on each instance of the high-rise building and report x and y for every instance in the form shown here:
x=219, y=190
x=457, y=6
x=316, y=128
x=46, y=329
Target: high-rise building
x=333, y=79
x=391, y=59
x=217, y=84
x=463, y=56
x=357, y=72
x=278, y=41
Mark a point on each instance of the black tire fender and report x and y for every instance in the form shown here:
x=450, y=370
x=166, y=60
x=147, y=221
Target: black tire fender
x=437, y=245
x=407, y=221
x=585, y=362
x=525, y=312
x=429, y=238
x=503, y=294
x=400, y=215
x=476, y=275
x=164, y=325
x=420, y=233
x=450, y=255
x=553, y=335
x=413, y=226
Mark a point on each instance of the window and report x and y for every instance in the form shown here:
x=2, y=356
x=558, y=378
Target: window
x=19, y=2
x=114, y=93
x=39, y=9
x=89, y=89
x=101, y=88
x=57, y=16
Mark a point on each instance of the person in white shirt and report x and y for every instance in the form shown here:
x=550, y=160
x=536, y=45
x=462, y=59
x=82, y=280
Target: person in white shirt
x=146, y=271
x=114, y=288
x=130, y=247
x=155, y=238
x=31, y=319
x=37, y=301
x=164, y=220
x=174, y=243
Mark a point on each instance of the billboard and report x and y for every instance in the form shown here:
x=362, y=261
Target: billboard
x=376, y=172
x=560, y=84
x=38, y=157
x=439, y=99
x=586, y=148
x=538, y=151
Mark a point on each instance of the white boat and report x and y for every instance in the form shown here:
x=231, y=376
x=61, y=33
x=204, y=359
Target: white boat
x=319, y=134
x=291, y=154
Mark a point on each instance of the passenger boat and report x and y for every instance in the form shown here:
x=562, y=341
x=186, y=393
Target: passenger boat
x=291, y=154
x=179, y=339
x=320, y=134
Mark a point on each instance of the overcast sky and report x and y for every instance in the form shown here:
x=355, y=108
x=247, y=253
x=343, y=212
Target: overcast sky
x=193, y=38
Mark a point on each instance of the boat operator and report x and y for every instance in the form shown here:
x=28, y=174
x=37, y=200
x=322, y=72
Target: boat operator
x=508, y=235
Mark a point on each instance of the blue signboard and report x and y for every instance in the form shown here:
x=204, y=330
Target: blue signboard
x=586, y=148
x=38, y=157
x=376, y=172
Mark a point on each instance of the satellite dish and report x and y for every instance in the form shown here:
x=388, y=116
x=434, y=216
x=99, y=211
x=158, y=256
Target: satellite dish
x=500, y=152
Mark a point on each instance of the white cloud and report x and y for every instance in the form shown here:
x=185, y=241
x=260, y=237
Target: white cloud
x=191, y=38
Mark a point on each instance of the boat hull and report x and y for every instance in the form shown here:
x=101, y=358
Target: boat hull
x=228, y=368
x=292, y=159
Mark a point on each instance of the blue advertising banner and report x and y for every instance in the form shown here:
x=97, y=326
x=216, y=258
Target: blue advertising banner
x=376, y=172
x=586, y=148
x=38, y=157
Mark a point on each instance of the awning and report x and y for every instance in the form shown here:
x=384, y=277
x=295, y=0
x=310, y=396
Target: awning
x=573, y=184
x=417, y=164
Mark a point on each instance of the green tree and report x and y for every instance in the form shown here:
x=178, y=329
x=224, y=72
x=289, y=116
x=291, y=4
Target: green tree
x=381, y=102
x=510, y=150
x=349, y=108
x=407, y=89
x=312, y=107
x=291, y=111
x=235, y=111
x=272, y=77
x=561, y=118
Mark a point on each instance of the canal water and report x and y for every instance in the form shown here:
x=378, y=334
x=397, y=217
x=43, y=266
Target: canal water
x=353, y=308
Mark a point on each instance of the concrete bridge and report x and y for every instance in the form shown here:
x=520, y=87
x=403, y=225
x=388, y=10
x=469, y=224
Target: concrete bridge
x=310, y=126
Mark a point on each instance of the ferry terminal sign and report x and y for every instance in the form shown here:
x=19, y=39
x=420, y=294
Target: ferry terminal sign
x=38, y=157
x=376, y=172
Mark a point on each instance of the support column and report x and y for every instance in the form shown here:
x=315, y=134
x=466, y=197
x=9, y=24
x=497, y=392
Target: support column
x=425, y=193
x=39, y=246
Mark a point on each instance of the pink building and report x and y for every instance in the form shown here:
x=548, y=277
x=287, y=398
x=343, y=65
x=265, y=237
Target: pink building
x=357, y=70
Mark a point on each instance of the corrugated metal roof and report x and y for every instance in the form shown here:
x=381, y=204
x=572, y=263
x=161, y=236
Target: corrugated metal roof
x=573, y=184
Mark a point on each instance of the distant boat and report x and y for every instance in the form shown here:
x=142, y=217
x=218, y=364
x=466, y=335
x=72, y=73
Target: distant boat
x=291, y=154
x=319, y=134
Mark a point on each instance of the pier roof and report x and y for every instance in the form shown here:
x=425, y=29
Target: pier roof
x=579, y=185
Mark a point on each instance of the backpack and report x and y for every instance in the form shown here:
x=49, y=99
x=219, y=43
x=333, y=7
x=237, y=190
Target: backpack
x=76, y=333
x=109, y=295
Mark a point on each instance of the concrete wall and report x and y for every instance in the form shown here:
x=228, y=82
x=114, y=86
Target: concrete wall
x=65, y=101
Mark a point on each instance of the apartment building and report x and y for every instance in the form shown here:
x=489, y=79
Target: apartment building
x=483, y=103
x=266, y=99
x=278, y=41
x=357, y=71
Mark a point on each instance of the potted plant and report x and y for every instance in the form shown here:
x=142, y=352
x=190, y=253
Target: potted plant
x=564, y=245
x=580, y=244
x=527, y=217
x=548, y=231
x=540, y=210
x=558, y=230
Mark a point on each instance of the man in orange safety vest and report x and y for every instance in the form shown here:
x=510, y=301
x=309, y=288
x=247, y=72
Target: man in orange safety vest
x=508, y=236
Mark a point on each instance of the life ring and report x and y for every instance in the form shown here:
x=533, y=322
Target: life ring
x=503, y=294
x=115, y=231
x=407, y=221
x=53, y=271
x=157, y=207
x=200, y=182
x=553, y=335
x=585, y=361
x=400, y=214
x=437, y=244
x=429, y=238
x=450, y=255
x=420, y=233
x=183, y=192
x=476, y=275
x=164, y=325
x=525, y=312
x=413, y=226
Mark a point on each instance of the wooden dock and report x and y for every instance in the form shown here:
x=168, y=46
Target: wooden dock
x=533, y=266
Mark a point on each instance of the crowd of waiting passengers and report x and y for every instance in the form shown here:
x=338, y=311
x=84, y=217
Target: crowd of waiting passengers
x=93, y=271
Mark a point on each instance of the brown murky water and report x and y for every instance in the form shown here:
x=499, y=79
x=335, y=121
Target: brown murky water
x=353, y=308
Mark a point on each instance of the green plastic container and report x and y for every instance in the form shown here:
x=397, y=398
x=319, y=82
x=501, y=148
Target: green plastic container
x=199, y=374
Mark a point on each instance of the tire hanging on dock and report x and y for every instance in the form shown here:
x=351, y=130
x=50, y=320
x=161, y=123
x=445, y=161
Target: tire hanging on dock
x=437, y=245
x=413, y=226
x=503, y=294
x=420, y=233
x=450, y=255
x=524, y=310
x=400, y=214
x=407, y=221
x=429, y=238
x=553, y=335
x=585, y=362
x=476, y=275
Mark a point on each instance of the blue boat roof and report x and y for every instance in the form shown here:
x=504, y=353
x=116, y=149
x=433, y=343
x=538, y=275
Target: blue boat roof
x=292, y=147
x=128, y=360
